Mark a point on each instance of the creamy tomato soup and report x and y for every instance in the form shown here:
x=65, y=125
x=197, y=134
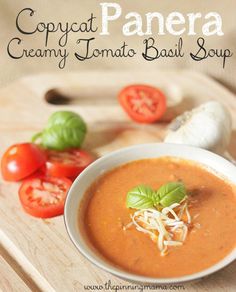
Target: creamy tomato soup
x=211, y=204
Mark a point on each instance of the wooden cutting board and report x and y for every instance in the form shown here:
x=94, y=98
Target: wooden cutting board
x=37, y=254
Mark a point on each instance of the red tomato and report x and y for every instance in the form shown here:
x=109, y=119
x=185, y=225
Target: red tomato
x=143, y=103
x=21, y=160
x=68, y=163
x=44, y=197
x=38, y=173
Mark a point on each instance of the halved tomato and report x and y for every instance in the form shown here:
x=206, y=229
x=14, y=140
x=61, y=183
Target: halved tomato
x=38, y=173
x=44, y=197
x=143, y=103
x=21, y=160
x=68, y=163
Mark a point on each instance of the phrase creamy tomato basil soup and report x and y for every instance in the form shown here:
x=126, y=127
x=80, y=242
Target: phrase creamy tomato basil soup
x=162, y=217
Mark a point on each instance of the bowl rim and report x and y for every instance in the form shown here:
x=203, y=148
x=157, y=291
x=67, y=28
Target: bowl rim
x=119, y=272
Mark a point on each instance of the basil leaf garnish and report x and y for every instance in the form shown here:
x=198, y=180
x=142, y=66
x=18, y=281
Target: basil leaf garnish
x=141, y=197
x=64, y=129
x=172, y=192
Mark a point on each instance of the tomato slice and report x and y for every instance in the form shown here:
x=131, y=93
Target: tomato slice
x=44, y=197
x=68, y=163
x=21, y=160
x=143, y=103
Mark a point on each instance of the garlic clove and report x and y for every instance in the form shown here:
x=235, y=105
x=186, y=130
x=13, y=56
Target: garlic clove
x=208, y=126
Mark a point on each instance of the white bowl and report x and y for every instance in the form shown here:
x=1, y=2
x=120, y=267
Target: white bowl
x=212, y=161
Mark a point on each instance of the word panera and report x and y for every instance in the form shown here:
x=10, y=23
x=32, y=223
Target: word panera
x=175, y=23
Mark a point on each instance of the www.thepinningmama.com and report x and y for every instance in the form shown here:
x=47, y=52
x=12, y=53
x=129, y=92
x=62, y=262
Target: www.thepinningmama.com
x=108, y=286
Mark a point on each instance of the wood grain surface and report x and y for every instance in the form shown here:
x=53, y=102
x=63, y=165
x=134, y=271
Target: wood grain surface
x=37, y=254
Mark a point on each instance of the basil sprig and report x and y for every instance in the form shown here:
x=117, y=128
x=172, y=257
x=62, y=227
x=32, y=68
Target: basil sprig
x=65, y=129
x=142, y=197
x=170, y=193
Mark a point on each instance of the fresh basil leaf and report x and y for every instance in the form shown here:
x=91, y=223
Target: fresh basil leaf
x=66, y=119
x=170, y=193
x=60, y=138
x=141, y=197
x=64, y=129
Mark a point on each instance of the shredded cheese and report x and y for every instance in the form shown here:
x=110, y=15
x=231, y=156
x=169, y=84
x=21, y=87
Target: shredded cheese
x=172, y=242
x=165, y=227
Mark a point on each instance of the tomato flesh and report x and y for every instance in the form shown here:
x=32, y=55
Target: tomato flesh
x=21, y=160
x=44, y=197
x=67, y=163
x=143, y=103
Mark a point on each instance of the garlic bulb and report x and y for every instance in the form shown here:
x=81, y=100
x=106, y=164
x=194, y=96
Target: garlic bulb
x=207, y=126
